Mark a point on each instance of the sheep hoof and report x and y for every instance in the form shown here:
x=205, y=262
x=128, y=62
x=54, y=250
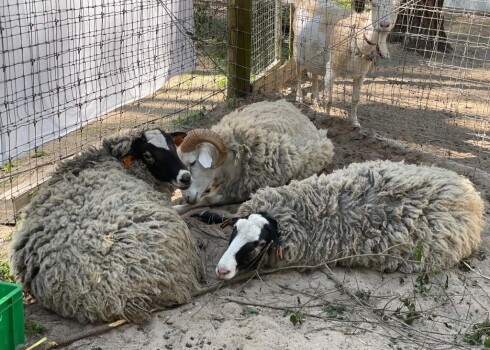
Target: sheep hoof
x=355, y=124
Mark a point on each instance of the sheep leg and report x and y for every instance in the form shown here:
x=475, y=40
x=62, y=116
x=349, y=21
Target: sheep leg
x=205, y=201
x=314, y=85
x=329, y=81
x=356, y=93
x=299, y=91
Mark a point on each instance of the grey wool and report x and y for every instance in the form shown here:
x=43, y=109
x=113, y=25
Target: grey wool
x=375, y=213
x=98, y=244
x=272, y=143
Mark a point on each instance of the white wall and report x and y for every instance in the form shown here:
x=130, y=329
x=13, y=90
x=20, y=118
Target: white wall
x=471, y=5
x=65, y=63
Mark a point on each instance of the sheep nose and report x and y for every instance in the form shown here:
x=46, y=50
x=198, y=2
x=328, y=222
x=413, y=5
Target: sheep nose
x=222, y=272
x=384, y=24
x=190, y=200
x=185, y=179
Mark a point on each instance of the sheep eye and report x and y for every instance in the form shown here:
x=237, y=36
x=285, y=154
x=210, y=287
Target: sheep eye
x=260, y=243
x=147, y=156
x=192, y=163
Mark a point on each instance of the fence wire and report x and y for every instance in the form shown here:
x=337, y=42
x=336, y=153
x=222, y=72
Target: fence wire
x=433, y=94
x=73, y=74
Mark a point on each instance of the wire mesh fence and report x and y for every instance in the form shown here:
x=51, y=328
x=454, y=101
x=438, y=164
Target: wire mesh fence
x=433, y=94
x=74, y=73
x=266, y=35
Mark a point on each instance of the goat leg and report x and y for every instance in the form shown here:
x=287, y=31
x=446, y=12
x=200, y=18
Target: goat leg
x=328, y=81
x=356, y=93
x=299, y=90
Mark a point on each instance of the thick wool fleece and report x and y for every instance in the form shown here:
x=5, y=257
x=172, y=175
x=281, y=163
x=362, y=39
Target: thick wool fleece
x=99, y=245
x=371, y=208
x=273, y=143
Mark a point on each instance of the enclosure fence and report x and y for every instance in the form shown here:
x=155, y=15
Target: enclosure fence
x=433, y=94
x=73, y=73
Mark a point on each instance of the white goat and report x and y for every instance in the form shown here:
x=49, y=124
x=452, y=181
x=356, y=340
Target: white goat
x=354, y=42
x=312, y=24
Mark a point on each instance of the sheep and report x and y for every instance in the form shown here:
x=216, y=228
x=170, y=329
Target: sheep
x=262, y=144
x=378, y=214
x=353, y=45
x=312, y=25
x=97, y=242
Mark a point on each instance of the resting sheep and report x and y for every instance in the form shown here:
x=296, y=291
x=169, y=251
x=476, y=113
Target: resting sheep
x=354, y=42
x=97, y=242
x=262, y=144
x=375, y=214
x=312, y=24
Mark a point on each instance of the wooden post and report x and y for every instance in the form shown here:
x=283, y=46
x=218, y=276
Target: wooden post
x=239, y=47
x=291, y=30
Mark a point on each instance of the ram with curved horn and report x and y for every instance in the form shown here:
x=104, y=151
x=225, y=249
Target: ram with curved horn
x=262, y=144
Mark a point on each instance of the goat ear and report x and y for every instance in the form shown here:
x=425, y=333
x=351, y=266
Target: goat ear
x=205, y=157
x=359, y=5
x=178, y=137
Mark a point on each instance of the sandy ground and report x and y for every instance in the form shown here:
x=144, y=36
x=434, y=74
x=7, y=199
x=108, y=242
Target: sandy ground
x=425, y=113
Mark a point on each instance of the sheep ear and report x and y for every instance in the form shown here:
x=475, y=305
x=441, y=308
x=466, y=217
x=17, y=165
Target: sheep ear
x=205, y=157
x=134, y=152
x=178, y=137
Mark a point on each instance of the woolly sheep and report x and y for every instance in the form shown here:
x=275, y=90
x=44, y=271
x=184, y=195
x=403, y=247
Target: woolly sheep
x=97, y=242
x=262, y=144
x=312, y=24
x=354, y=42
x=371, y=214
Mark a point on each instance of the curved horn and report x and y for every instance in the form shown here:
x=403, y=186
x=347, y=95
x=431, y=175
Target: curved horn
x=198, y=136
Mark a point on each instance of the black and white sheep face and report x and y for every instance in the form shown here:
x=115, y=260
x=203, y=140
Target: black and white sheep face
x=250, y=239
x=384, y=14
x=157, y=150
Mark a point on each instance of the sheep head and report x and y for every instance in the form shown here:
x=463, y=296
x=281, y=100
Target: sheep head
x=383, y=19
x=203, y=151
x=156, y=149
x=252, y=237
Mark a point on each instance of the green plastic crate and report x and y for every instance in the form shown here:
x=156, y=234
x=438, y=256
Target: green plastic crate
x=11, y=316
